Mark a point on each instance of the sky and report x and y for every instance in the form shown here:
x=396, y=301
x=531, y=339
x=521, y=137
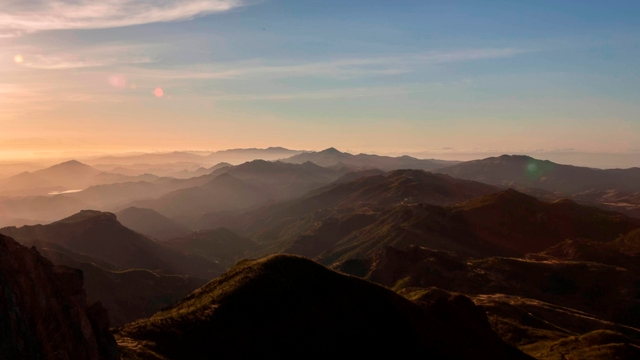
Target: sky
x=444, y=79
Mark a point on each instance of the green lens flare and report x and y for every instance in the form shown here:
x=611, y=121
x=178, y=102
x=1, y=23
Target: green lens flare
x=535, y=170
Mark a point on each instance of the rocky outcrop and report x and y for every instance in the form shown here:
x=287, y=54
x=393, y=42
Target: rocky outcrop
x=44, y=312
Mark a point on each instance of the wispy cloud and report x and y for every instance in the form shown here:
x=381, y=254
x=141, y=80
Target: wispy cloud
x=73, y=61
x=340, y=68
x=348, y=93
x=38, y=15
x=355, y=67
x=87, y=57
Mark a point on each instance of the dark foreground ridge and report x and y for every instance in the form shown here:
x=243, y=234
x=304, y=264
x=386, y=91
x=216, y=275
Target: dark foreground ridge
x=291, y=306
x=44, y=312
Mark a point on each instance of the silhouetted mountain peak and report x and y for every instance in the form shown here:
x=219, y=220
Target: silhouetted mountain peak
x=515, y=157
x=511, y=195
x=310, y=165
x=257, y=165
x=220, y=166
x=409, y=173
x=224, y=179
x=565, y=202
x=506, y=199
x=72, y=165
x=151, y=223
x=332, y=157
x=88, y=215
x=137, y=209
x=331, y=151
x=291, y=303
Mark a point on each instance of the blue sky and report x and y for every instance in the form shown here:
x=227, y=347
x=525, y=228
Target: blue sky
x=443, y=78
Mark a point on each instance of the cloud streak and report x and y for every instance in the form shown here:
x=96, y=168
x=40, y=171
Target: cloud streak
x=348, y=93
x=89, y=57
x=71, y=61
x=342, y=69
x=17, y=17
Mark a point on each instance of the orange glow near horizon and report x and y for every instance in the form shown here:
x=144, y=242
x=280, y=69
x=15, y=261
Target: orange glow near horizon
x=158, y=92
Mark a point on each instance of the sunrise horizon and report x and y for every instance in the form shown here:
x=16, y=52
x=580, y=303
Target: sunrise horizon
x=362, y=76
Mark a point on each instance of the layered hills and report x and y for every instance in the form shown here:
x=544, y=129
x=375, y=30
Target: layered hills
x=100, y=235
x=41, y=209
x=532, y=243
x=285, y=180
x=396, y=187
x=291, y=304
x=223, y=192
x=412, y=207
x=221, y=245
x=333, y=157
x=512, y=170
x=476, y=231
x=539, y=306
x=69, y=175
x=233, y=156
x=151, y=223
x=127, y=295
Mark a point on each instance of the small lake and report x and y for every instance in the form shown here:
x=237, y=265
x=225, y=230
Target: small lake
x=64, y=192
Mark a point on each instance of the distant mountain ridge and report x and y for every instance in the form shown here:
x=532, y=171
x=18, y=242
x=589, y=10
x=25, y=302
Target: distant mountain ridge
x=508, y=170
x=333, y=157
x=127, y=295
x=590, y=287
x=220, y=245
x=222, y=192
x=233, y=156
x=379, y=190
x=151, y=223
x=412, y=207
x=69, y=175
x=100, y=235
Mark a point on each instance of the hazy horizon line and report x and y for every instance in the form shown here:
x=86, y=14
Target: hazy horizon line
x=603, y=160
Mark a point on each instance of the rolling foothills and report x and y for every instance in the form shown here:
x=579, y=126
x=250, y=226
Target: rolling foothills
x=277, y=252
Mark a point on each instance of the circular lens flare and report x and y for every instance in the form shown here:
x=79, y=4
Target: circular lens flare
x=158, y=92
x=19, y=59
x=118, y=81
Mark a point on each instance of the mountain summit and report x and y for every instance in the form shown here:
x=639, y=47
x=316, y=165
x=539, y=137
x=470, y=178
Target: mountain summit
x=287, y=306
x=99, y=234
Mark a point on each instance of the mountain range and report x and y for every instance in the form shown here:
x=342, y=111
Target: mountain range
x=510, y=170
x=539, y=306
x=485, y=259
x=100, y=235
x=233, y=156
x=411, y=207
x=333, y=157
x=127, y=295
x=151, y=223
x=67, y=176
